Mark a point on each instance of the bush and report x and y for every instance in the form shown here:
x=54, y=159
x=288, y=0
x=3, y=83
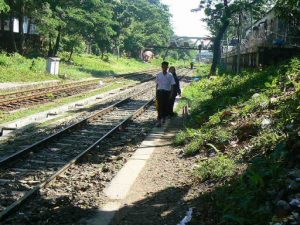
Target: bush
x=216, y=168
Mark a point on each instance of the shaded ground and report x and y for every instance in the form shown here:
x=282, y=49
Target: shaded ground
x=242, y=157
x=158, y=195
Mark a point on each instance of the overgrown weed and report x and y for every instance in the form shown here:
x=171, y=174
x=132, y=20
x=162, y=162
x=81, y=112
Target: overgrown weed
x=252, y=119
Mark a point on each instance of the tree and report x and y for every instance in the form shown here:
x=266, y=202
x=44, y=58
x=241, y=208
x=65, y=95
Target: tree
x=3, y=6
x=289, y=9
x=108, y=25
x=149, y=24
x=220, y=14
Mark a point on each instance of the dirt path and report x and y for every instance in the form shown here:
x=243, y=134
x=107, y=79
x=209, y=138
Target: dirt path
x=158, y=195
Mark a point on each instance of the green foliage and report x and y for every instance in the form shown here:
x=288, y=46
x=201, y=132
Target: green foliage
x=203, y=70
x=3, y=6
x=194, y=146
x=227, y=114
x=247, y=199
x=17, y=68
x=215, y=168
x=181, y=138
x=288, y=9
x=202, y=139
x=123, y=27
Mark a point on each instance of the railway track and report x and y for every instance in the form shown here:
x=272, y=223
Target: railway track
x=17, y=100
x=25, y=172
x=27, y=137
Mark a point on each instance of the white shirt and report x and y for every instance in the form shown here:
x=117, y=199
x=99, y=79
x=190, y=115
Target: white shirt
x=165, y=82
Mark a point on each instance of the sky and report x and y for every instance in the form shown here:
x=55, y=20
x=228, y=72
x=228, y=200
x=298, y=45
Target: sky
x=185, y=22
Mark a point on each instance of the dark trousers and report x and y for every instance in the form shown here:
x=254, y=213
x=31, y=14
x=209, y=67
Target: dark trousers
x=162, y=98
x=171, y=104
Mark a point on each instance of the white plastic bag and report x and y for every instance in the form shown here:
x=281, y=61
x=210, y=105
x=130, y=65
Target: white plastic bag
x=187, y=218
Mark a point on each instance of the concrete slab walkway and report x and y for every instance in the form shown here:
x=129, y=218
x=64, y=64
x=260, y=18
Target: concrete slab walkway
x=120, y=186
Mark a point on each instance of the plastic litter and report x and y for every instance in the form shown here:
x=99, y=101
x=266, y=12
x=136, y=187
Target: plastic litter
x=187, y=218
x=265, y=123
x=255, y=95
x=295, y=202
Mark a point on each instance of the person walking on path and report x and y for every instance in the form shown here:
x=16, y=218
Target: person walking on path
x=175, y=91
x=164, y=83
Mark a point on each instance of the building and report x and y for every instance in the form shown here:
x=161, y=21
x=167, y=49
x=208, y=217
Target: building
x=268, y=41
x=29, y=29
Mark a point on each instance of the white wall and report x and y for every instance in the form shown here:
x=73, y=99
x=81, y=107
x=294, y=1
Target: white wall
x=33, y=28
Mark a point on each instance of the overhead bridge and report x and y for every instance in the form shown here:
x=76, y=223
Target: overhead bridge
x=187, y=43
x=174, y=47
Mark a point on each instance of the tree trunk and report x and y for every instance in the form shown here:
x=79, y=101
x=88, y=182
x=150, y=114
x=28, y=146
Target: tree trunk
x=102, y=53
x=57, y=42
x=71, y=53
x=2, y=17
x=11, y=31
x=27, y=37
x=218, y=39
x=217, y=47
x=239, y=34
x=50, y=50
x=21, y=29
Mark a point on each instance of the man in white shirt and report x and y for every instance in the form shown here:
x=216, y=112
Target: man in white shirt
x=164, y=83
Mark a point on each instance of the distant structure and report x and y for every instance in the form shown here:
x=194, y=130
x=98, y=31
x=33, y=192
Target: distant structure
x=268, y=41
x=205, y=56
x=147, y=55
x=29, y=29
x=186, y=43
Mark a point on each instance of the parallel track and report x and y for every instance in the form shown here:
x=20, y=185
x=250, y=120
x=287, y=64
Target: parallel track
x=25, y=172
x=17, y=100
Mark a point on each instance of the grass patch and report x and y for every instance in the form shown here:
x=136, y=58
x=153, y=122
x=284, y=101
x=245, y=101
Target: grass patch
x=215, y=168
x=17, y=68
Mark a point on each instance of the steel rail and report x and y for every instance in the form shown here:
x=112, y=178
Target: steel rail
x=32, y=148
x=46, y=89
x=14, y=206
x=73, y=84
x=43, y=183
x=42, y=94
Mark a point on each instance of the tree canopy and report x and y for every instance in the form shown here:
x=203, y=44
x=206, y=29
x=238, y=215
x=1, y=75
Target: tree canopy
x=227, y=17
x=3, y=6
x=289, y=9
x=119, y=26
